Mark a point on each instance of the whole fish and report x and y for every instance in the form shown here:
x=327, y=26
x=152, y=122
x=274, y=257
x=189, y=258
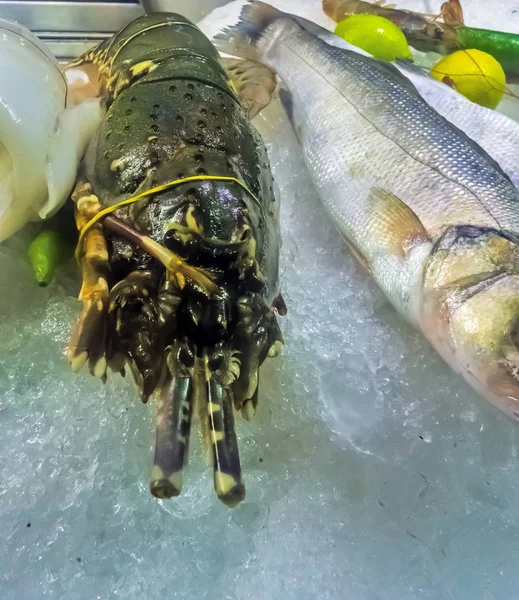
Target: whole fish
x=427, y=211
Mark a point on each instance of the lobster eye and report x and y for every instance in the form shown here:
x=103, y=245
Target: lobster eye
x=216, y=361
x=186, y=356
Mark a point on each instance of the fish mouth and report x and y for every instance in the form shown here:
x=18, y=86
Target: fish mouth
x=503, y=392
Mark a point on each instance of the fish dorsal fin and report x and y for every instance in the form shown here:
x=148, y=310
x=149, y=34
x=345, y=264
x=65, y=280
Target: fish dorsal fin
x=254, y=83
x=394, y=226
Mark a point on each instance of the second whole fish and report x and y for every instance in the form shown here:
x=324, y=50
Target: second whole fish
x=426, y=210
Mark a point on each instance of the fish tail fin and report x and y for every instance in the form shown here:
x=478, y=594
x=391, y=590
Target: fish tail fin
x=243, y=38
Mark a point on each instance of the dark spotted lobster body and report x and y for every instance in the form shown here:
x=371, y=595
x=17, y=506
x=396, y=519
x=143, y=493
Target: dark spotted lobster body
x=196, y=334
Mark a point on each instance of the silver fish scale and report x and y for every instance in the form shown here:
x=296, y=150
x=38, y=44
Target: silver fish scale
x=423, y=133
x=363, y=124
x=495, y=132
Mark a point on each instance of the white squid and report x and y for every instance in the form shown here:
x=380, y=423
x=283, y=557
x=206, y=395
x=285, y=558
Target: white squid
x=43, y=135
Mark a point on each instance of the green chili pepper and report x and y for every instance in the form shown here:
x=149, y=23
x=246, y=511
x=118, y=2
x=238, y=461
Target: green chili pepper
x=45, y=254
x=504, y=47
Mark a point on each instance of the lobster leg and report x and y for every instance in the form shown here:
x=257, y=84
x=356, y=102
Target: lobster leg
x=257, y=337
x=173, y=263
x=88, y=342
x=139, y=326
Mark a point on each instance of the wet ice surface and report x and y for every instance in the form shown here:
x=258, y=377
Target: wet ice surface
x=372, y=471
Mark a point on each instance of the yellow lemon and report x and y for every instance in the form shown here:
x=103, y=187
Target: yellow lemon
x=376, y=35
x=475, y=74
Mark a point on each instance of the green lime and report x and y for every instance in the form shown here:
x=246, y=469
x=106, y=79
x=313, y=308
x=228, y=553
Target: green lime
x=376, y=35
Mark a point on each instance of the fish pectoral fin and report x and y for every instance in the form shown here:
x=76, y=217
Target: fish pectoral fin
x=254, y=83
x=357, y=254
x=394, y=226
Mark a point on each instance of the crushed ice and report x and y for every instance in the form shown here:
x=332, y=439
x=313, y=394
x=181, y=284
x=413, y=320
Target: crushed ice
x=372, y=471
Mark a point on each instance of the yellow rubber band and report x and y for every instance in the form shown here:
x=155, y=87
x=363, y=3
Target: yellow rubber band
x=155, y=190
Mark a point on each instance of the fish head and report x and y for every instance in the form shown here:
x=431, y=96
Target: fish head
x=471, y=310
